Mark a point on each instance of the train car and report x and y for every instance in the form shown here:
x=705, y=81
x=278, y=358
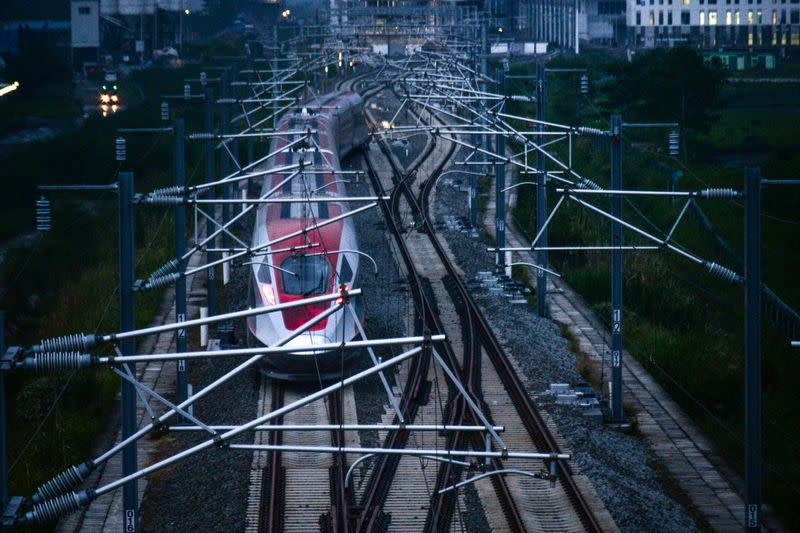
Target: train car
x=323, y=259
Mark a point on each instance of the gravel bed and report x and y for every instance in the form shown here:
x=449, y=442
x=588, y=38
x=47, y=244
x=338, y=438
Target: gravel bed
x=385, y=302
x=208, y=492
x=621, y=466
x=389, y=311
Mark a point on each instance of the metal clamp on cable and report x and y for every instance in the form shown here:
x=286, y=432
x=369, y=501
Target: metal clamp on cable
x=160, y=429
x=427, y=343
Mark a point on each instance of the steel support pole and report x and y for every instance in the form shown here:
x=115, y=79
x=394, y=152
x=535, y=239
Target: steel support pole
x=473, y=192
x=473, y=179
x=208, y=150
x=234, y=147
x=541, y=196
x=224, y=162
x=500, y=181
x=616, y=271
x=130, y=493
x=251, y=148
x=484, y=139
x=3, y=424
x=752, y=350
x=179, y=169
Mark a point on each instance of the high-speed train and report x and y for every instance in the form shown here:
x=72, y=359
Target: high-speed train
x=320, y=261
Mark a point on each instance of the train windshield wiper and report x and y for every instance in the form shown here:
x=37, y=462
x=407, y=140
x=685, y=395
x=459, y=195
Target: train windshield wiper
x=317, y=288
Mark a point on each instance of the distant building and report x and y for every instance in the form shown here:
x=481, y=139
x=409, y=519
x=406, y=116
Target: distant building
x=56, y=32
x=603, y=21
x=735, y=24
x=85, y=31
x=714, y=23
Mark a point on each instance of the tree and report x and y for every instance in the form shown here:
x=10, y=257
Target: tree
x=39, y=63
x=668, y=84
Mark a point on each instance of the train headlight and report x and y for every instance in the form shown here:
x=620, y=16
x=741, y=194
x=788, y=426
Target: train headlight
x=114, y=98
x=267, y=294
x=104, y=98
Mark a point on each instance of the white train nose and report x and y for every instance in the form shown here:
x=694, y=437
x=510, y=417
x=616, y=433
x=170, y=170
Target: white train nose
x=308, y=339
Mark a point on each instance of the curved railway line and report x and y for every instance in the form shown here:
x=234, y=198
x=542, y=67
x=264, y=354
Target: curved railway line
x=394, y=492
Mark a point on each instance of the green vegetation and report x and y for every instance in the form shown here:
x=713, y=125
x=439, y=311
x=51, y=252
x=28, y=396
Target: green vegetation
x=65, y=280
x=682, y=324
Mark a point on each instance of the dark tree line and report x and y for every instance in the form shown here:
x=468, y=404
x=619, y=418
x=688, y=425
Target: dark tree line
x=667, y=84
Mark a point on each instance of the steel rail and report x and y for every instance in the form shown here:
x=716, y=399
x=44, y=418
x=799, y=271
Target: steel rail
x=440, y=515
x=442, y=508
x=379, y=481
x=273, y=497
x=534, y=424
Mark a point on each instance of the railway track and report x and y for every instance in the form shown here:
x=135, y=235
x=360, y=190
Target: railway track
x=290, y=491
x=490, y=375
x=303, y=492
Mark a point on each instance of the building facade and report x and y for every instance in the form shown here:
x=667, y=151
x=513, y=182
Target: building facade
x=714, y=23
x=559, y=21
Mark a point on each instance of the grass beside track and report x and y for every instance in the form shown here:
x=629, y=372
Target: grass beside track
x=65, y=280
x=683, y=325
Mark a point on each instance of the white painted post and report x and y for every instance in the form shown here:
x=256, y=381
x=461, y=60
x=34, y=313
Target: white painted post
x=204, y=328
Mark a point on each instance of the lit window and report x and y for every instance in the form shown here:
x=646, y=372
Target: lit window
x=774, y=18
x=687, y=2
x=750, y=39
x=728, y=18
x=702, y=18
x=712, y=18
x=652, y=18
x=760, y=18
x=750, y=21
x=738, y=18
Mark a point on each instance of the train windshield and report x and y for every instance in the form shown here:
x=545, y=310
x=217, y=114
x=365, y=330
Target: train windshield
x=305, y=275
